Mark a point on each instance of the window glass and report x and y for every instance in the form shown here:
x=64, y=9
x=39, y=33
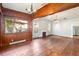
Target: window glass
x=15, y=25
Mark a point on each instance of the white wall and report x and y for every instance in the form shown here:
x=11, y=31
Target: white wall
x=43, y=26
x=65, y=27
x=66, y=21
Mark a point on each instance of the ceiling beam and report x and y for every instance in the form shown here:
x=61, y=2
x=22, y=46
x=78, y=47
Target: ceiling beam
x=52, y=8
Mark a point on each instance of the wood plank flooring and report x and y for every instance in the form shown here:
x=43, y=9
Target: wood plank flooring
x=49, y=46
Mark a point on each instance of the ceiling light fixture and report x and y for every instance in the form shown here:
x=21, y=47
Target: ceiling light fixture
x=30, y=10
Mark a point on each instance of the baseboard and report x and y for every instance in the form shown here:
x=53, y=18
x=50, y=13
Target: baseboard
x=42, y=37
x=53, y=35
x=62, y=36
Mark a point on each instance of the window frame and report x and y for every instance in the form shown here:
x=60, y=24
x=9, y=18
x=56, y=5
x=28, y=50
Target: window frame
x=14, y=22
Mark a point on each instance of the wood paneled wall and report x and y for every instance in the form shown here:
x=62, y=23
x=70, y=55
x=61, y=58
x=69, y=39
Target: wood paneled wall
x=16, y=14
x=1, y=27
x=7, y=38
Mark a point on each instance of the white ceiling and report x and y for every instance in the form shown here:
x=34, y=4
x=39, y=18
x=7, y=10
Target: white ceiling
x=67, y=14
x=22, y=6
x=64, y=15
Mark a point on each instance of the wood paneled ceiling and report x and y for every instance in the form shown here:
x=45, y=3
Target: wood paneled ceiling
x=52, y=8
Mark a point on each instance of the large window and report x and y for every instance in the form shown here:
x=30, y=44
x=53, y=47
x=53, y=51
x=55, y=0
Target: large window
x=15, y=25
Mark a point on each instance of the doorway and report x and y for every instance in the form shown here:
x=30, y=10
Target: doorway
x=76, y=32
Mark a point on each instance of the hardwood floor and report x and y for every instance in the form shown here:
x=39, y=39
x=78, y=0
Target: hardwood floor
x=49, y=46
x=76, y=37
